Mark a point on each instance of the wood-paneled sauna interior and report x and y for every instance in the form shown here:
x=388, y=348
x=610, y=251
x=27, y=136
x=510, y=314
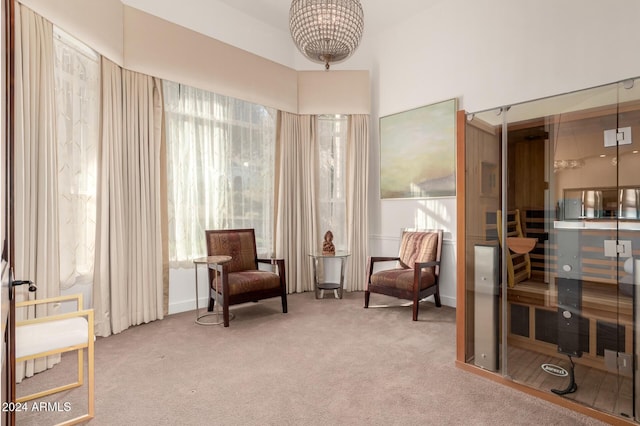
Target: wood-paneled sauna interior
x=566, y=172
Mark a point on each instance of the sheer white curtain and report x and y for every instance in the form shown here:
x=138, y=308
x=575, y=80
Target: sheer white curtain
x=332, y=179
x=77, y=83
x=297, y=232
x=221, y=155
x=36, y=227
x=129, y=266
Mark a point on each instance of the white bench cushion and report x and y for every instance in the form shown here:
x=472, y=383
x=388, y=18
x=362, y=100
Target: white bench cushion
x=47, y=336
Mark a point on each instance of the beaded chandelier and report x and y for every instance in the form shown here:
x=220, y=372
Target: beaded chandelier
x=326, y=31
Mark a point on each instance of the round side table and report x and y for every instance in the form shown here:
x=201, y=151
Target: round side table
x=212, y=262
x=320, y=287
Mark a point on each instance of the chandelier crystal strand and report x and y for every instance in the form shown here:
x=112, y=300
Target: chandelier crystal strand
x=326, y=31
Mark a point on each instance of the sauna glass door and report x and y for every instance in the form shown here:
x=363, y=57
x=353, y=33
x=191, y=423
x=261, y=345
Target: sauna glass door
x=627, y=160
x=553, y=196
x=572, y=176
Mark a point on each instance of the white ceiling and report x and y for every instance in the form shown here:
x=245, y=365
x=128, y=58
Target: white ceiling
x=378, y=14
x=262, y=26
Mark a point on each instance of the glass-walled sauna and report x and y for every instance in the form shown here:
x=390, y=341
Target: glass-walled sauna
x=552, y=245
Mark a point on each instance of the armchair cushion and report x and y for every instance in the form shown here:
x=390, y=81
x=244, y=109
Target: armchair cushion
x=402, y=278
x=239, y=245
x=418, y=247
x=250, y=281
x=49, y=336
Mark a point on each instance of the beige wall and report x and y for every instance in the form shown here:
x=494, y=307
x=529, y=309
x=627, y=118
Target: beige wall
x=98, y=23
x=330, y=92
x=142, y=42
x=157, y=47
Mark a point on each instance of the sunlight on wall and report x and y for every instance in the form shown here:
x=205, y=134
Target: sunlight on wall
x=432, y=213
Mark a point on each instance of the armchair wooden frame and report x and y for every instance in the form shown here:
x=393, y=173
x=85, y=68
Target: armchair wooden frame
x=40, y=330
x=233, y=298
x=415, y=294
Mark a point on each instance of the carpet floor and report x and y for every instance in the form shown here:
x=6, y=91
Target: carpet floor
x=326, y=362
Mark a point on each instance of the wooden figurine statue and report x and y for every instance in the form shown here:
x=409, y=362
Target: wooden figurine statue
x=327, y=245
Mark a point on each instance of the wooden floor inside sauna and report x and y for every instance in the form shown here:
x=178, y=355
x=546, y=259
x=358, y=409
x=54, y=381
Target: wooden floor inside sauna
x=599, y=389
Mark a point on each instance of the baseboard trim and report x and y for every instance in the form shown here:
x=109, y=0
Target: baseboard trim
x=190, y=305
x=187, y=305
x=448, y=301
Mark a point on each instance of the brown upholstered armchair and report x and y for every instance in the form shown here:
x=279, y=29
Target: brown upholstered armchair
x=241, y=279
x=417, y=275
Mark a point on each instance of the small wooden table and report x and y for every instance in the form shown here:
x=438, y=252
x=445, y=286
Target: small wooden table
x=212, y=262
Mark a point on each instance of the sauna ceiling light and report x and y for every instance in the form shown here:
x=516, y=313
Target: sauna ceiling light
x=559, y=165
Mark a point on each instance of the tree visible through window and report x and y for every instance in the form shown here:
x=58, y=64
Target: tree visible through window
x=221, y=161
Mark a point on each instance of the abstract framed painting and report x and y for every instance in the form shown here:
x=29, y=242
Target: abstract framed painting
x=417, y=152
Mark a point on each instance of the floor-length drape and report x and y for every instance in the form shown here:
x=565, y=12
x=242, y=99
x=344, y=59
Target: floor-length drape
x=36, y=234
x=357, y=200
x=130, y=257
x=296, y=233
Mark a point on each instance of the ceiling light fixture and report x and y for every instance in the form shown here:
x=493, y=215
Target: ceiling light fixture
x=326, y=31
x=559, y=165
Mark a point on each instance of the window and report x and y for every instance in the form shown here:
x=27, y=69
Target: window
x=332, y=141
x=77, y=97
x=221, y=165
